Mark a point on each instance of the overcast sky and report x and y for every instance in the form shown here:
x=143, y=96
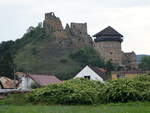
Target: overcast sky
x=130, y=17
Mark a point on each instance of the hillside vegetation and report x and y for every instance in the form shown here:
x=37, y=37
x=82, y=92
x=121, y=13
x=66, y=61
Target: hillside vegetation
x=39, y=53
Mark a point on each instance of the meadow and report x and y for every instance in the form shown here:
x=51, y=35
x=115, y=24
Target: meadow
x=136, y=107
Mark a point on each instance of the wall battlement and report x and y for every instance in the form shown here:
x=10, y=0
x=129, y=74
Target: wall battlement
x=52, y=23
x=79, y=28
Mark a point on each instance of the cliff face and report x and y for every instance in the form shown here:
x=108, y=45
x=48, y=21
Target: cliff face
x=48, y=48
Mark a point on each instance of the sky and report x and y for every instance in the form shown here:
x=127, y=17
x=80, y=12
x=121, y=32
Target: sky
x=129, y=17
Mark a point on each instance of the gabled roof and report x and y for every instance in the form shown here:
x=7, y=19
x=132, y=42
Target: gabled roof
x=101, y=72
x=109, y=31
x=44, y=79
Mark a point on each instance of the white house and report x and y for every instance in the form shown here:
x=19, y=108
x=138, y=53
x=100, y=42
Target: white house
x=92, y=73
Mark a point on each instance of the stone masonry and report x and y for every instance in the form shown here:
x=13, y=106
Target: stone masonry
x=129, y=60
x=108, y=44
x=74, y=35
x=52, y=23
x=110, y=51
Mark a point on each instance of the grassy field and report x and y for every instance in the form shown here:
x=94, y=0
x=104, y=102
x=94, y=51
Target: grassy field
x=109, y=108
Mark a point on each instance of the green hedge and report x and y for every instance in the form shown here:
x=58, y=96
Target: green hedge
x=82, y=91
x=121, y=90
x=77, y=91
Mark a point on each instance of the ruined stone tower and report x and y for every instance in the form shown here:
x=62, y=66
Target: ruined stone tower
x=79, y=29
x=108, y=44
x=129, y=60
x=52, y=23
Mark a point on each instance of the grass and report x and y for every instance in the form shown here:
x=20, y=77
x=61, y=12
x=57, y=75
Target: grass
x=136, y=107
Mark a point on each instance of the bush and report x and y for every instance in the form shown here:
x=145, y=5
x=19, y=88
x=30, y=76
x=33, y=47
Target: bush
x=121, y=90
x=76, y=91
x=124, y=90
x=82, y=91
x=143, y=78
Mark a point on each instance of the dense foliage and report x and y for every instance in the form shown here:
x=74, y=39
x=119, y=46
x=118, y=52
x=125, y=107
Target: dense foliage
x=88, y=56
x=6, y=59
x=145, y=63
x=77, y=91
x=9, y=49
x=82, y=91
x=121, y=90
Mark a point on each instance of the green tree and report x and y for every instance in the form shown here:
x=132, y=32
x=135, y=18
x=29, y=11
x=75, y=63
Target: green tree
x=88, y=56
x=109, y=66
x=6, y=59
x=145, y=63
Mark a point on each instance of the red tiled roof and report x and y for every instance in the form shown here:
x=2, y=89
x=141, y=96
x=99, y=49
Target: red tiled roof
x=44, y=79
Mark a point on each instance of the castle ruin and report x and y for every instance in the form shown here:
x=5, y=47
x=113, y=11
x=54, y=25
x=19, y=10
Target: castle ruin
x=75, y=34
x=107, y=42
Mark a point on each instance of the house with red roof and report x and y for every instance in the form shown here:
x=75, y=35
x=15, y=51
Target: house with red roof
x=28, y=81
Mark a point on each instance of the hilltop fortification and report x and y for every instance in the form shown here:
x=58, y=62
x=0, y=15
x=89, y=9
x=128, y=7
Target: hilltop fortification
x=74, y=35
x=108, y=44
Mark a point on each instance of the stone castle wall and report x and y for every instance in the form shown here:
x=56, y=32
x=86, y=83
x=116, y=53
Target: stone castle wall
x=74, y=35
x=52, y=23
x=79, y=28
x=110, y=50
x=129, y=60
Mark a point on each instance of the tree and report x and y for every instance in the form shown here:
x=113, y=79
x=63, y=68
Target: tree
x=109, y=67
x=6, y=59
x=145, y=63
x=88, y=56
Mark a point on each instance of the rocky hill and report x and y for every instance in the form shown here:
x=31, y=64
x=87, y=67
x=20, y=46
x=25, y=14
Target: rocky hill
x=46, y=48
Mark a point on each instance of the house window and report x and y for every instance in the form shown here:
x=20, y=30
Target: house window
x=120, y=76
x=87, y=77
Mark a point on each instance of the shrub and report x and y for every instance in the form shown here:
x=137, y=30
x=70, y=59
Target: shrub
x=83, y=91
x=121, y=90
x=143, y=78
x=124, y=90
x=76, y=91
x=35, y=85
